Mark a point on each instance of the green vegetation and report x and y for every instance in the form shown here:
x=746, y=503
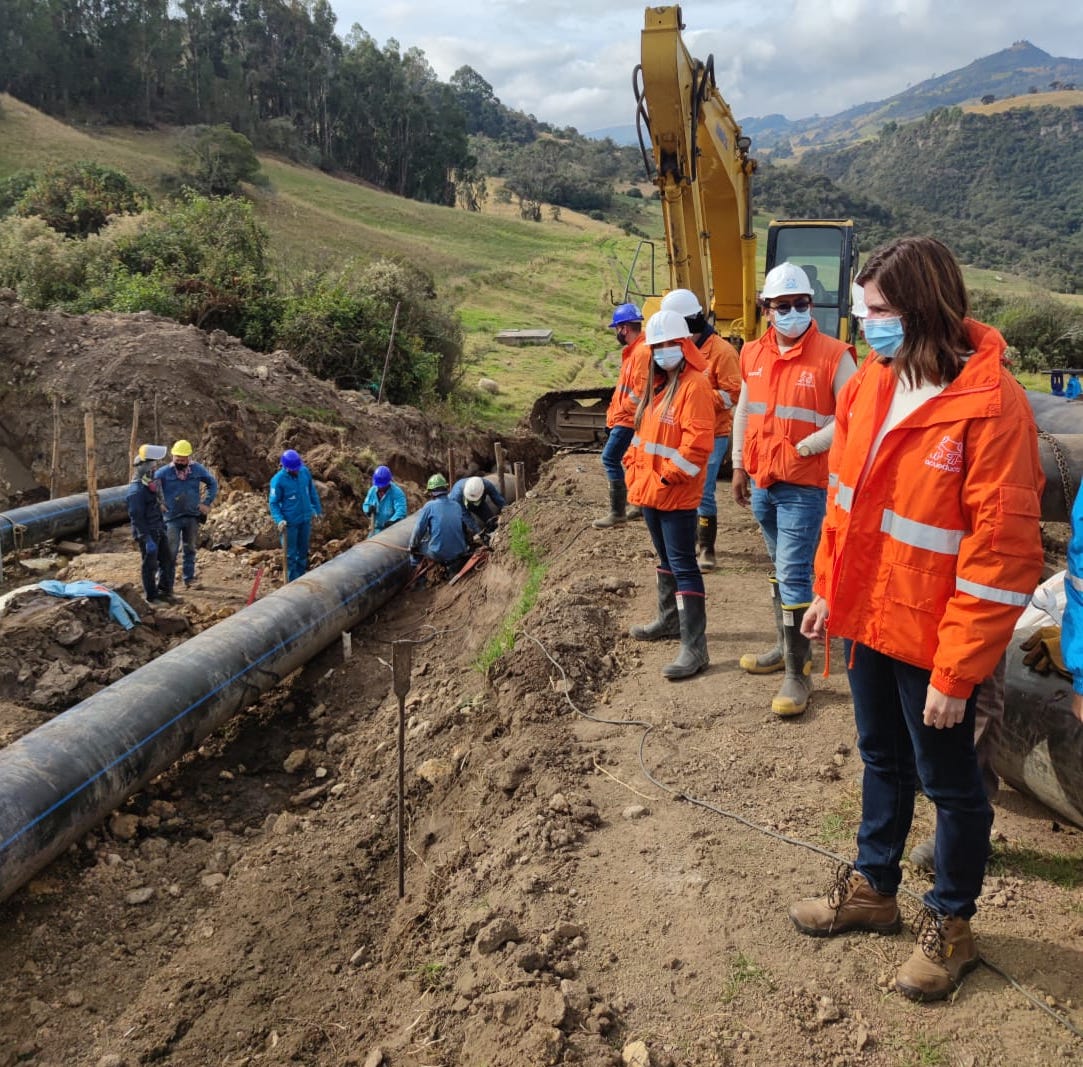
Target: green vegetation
x=1063, y=870
x=215, y=161
x=838, y=826
x=522, y=549
x=924, y=1050
x=743, y=972
x=430, y=976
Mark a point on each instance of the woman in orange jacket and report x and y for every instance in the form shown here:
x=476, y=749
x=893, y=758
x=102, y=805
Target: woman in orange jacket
x=930, y=550
x=666, y=465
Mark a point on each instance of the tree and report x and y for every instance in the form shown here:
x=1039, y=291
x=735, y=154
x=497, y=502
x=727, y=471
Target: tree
x=215, y=160
x=988, y=98
x=77, y=199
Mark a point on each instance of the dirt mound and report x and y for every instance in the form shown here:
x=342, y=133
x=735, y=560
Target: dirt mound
x=238, y=407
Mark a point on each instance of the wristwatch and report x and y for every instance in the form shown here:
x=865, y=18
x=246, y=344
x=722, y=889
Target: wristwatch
x=804, y=450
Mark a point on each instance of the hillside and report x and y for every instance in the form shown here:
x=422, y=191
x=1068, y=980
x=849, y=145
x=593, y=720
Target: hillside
x=1015, y=71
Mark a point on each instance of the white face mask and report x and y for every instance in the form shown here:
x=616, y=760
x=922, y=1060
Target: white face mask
x=667, y=358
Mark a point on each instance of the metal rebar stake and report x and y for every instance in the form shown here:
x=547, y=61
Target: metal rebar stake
x=400, y=668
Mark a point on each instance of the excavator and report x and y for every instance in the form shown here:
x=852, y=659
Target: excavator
x=695, y=153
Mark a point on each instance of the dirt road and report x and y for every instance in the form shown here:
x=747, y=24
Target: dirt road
x=563, y=904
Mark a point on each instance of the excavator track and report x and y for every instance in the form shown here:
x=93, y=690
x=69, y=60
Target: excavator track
x=572, y=418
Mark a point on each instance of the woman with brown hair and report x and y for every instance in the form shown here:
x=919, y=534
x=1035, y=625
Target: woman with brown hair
x=930, y=550
x=666, y=464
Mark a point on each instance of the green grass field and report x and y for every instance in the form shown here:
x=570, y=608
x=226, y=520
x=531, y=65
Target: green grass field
x=499, y=272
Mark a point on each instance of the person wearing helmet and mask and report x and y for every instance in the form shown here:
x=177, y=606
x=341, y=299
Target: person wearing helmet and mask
x=666, y=464
x=294, y=503
x=444, y=531
x=724, y=374
x=146, y=510
x=189, y=490
x=620, y=415
x=782, y=429
x=481, y=499
x=385, y=502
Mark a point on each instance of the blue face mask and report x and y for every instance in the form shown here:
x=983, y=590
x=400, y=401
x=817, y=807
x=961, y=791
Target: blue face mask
x=884, y=335
x=668, y=358
x=793, y=323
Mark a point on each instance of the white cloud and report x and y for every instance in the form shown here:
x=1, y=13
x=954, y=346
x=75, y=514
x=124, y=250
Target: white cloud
x=569, y=62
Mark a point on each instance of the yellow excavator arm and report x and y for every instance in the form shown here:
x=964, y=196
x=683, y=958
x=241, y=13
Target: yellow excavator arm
x=704, y=174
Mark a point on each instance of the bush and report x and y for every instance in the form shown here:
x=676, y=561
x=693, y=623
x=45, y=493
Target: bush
x=45, y=268
x=77, y=199
x=635, y=193
x=1044, y=332
x=215, y=160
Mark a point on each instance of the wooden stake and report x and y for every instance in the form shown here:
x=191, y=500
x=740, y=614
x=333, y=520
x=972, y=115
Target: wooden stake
x=498, y=449
x=54, y=473
x=450, y=466
x=387, y=358
x=520, y=480
x=157, y=429
x=91, y=476
x=133, y=443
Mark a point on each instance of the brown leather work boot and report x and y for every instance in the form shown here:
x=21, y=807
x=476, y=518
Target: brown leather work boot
x=944, y=952
x=851, y=904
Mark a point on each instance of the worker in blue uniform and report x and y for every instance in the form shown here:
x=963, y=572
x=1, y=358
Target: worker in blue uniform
x=294, y=503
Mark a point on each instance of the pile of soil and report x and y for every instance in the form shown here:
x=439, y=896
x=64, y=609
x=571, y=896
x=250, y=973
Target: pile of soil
x=561, y=905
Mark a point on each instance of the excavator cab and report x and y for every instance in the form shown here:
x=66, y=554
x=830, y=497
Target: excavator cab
x=826, y=250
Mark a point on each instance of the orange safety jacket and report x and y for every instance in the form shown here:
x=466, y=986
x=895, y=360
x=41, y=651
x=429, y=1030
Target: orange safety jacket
x=622, y=405
x=724, y=374
x=931, y=554
x=673, y=442
x=789, y=396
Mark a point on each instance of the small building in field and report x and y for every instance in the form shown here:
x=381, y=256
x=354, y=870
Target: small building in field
x=525, y=337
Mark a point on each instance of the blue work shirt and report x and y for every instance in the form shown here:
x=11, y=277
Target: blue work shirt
x=1071, y=631
x=443, y=530
x=386, y=509
x=485, y=510
x=182, y=490
x=293, y=497
x=145, y=510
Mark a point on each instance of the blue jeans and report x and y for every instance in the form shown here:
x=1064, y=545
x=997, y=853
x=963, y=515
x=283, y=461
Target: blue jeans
x=674, y=537
x=297, y=537
x=186, y=529
x=707, y=505
x=616, y=444
x=898, y=751
x=790, y=517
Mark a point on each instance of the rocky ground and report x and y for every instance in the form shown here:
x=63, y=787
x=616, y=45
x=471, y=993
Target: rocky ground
x=597, y=866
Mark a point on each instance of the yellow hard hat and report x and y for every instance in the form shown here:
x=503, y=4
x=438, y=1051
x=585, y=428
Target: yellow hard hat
x=182, y=448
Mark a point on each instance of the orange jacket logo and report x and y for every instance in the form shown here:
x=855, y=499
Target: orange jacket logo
x=947, y=456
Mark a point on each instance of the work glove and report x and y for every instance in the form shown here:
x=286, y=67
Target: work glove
x=1043, y=652
x=281, y=526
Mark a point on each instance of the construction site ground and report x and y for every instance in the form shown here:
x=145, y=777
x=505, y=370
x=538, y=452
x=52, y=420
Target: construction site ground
x=565, y=901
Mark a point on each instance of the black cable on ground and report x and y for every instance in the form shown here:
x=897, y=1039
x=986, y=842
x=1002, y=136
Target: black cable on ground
x=679, y=794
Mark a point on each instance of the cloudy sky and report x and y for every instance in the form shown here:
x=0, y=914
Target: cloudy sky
x=569, y=62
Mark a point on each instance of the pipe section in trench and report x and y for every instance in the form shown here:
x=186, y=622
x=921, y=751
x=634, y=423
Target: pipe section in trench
x=56, y=519
x=66, y=776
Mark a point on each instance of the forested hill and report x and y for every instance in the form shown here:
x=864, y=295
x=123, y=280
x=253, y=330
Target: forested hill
x=1022, y=69
x=1005, y=190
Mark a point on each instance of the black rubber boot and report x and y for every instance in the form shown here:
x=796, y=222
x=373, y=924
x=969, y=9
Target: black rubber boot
x=633, y=512
x=618, y=499
x=770, y=661
x=692, y=658
x=707, y=530
x=792, y=698
x=667, y=624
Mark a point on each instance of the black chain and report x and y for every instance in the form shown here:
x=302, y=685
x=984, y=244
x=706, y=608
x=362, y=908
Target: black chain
x=1062, y=466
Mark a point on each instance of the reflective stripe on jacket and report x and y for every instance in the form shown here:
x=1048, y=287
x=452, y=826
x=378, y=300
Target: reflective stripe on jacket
x=633, y=364
x=1071, y=634
x=931, y=554
x=724, y=374
x=789, y=396
x=673, y=442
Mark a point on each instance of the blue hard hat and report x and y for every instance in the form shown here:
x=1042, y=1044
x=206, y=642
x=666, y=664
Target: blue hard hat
x=291, y=460
x=623, y=313
x=381, y=476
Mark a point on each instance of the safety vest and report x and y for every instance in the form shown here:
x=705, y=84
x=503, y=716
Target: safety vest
x=789, y=396
x=931, y=554
x=724, y=374
x=673, y=441
x=622, y=405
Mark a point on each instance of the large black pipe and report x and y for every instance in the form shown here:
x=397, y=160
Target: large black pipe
x=66, y=776
x=64, y=517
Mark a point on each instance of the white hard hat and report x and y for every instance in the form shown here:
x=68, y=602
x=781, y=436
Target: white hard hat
x=666, y=326
x=683, y=301
x=857, y=301
x=787, y=279
x=474, y=489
